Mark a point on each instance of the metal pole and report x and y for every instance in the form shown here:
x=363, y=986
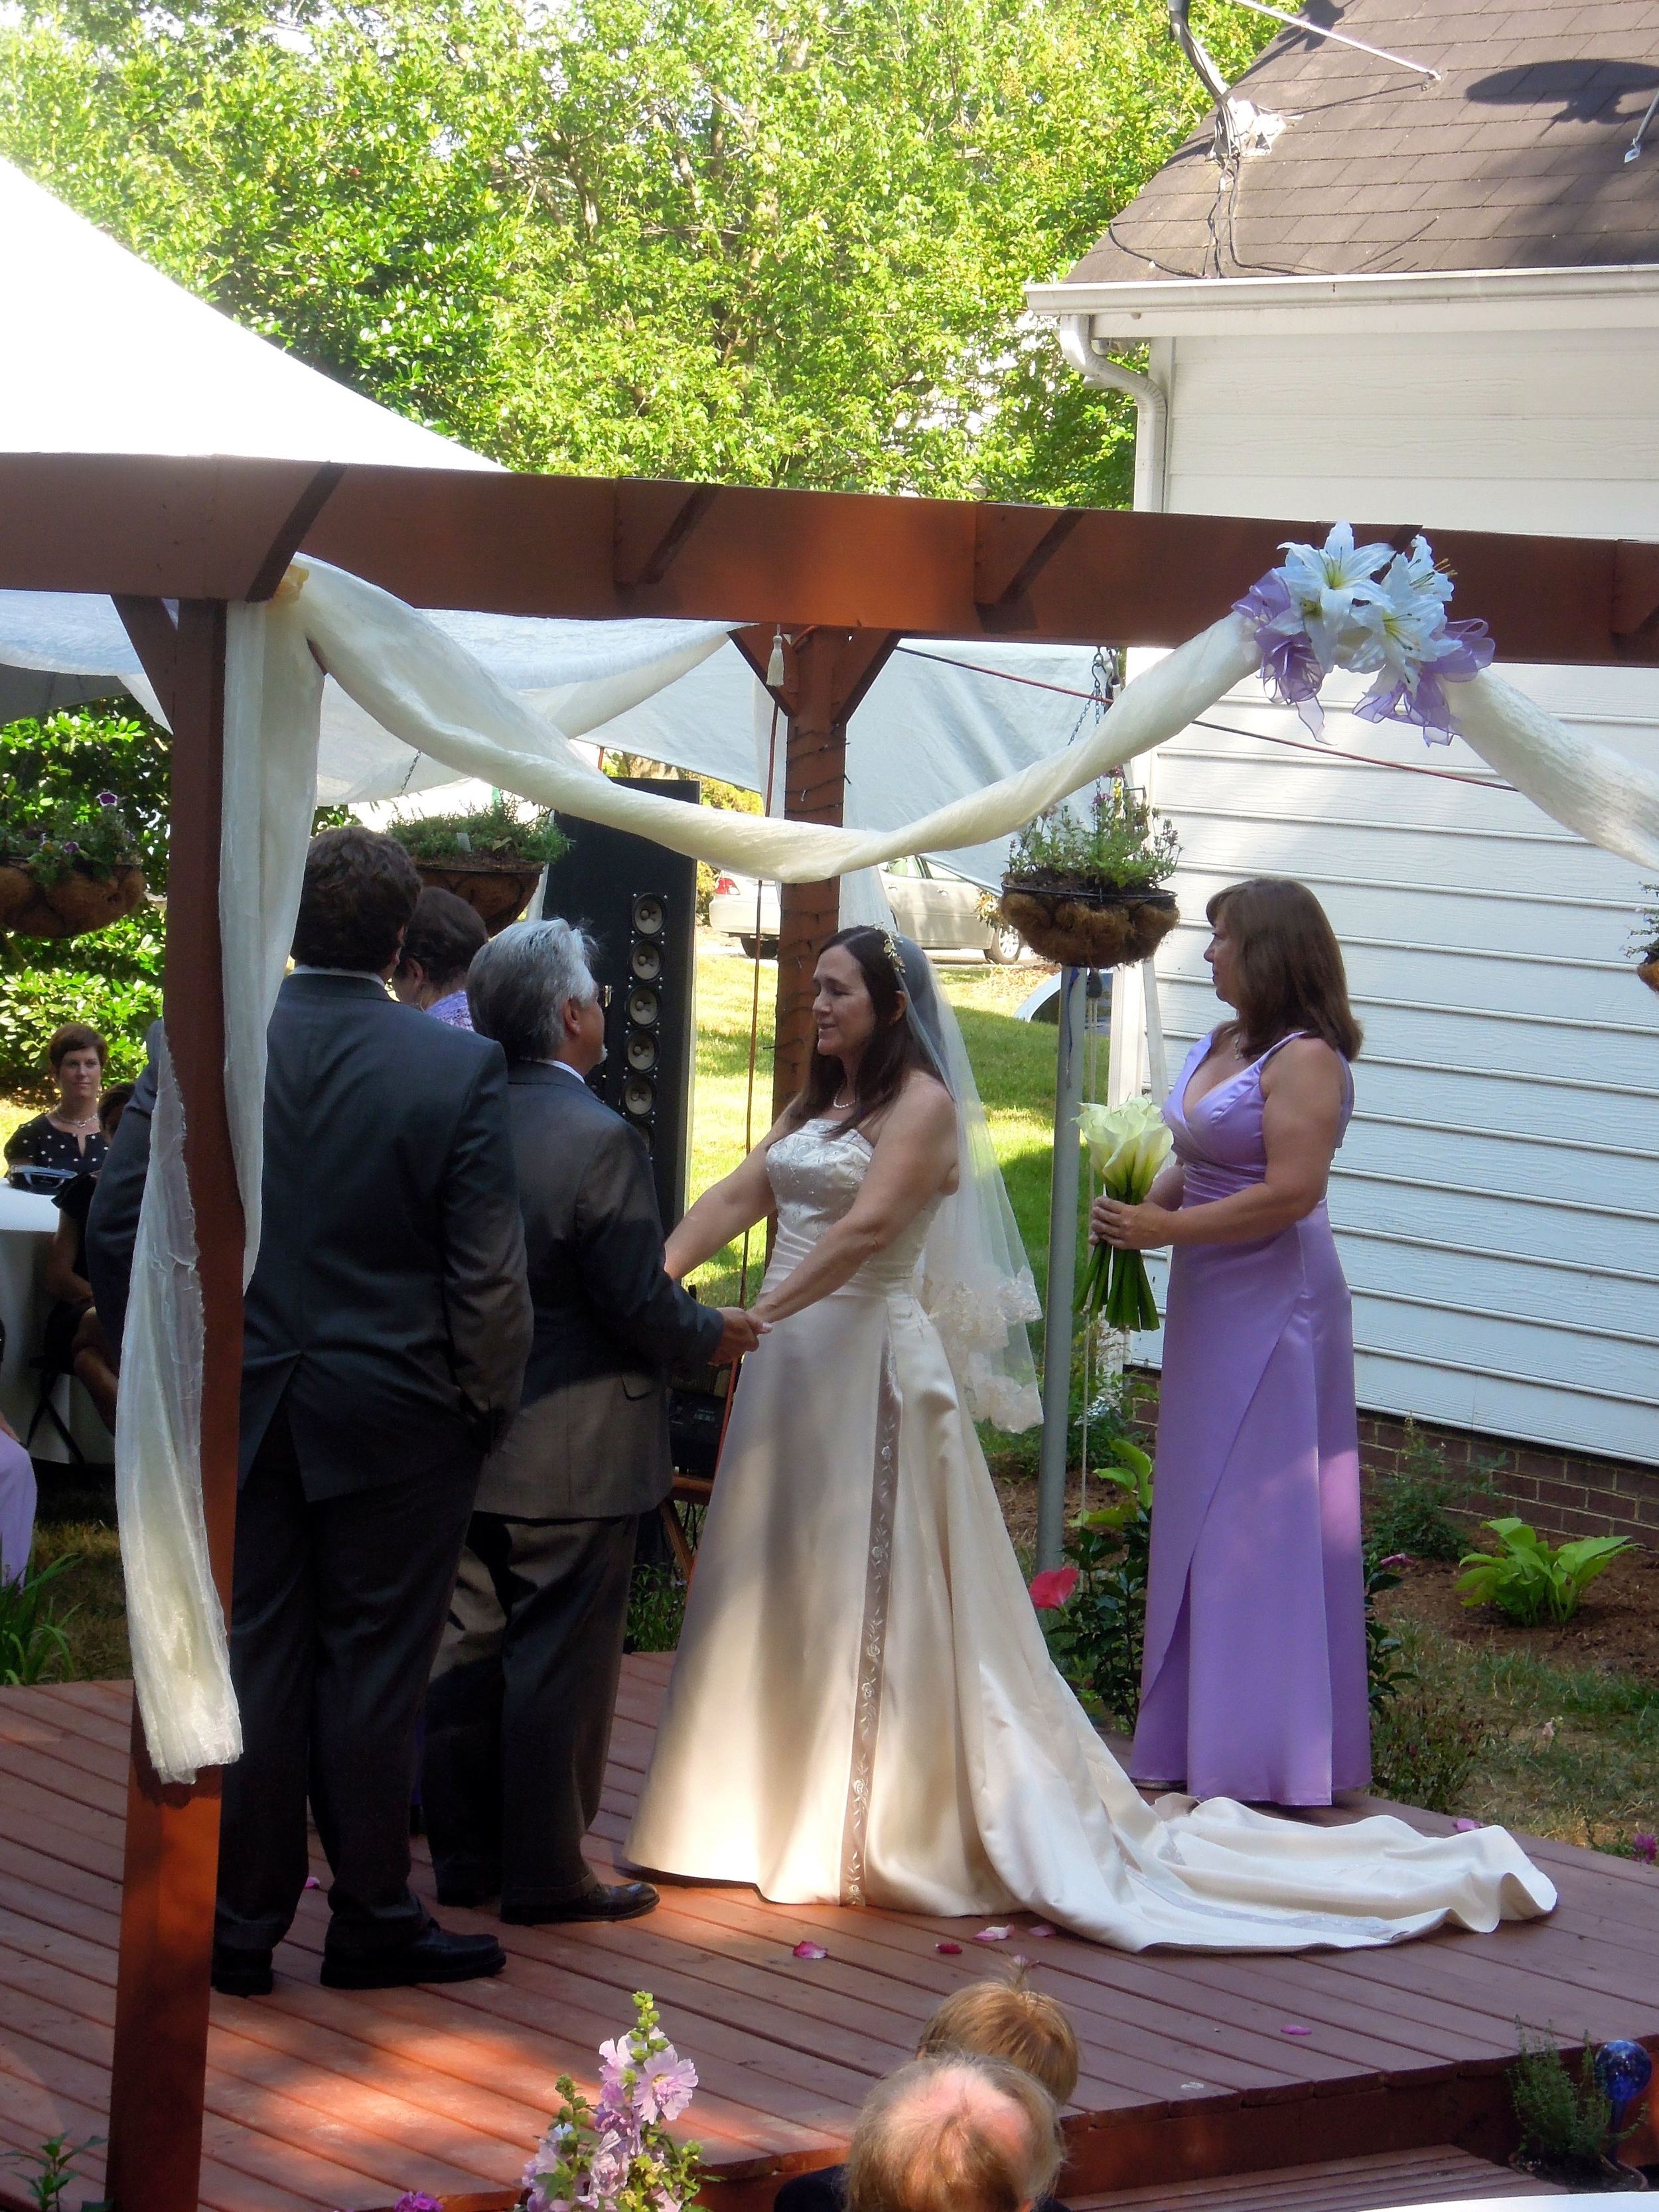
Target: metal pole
x=1062, y=1270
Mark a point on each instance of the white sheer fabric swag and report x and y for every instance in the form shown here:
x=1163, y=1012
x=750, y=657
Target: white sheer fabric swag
x=427, y=691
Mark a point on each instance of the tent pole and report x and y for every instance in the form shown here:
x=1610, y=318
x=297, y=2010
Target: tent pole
x=1062, y=1271
x=158, y=2069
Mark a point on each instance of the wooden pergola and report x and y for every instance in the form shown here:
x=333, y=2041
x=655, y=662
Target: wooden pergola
x=175, y=541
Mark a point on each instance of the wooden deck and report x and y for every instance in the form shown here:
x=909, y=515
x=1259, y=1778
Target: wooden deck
x=319, y=2098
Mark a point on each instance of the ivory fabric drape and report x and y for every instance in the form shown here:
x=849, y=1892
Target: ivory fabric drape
x=427, y=689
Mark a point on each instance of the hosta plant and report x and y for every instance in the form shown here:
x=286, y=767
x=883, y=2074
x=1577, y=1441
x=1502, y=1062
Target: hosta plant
x=1529, y=1580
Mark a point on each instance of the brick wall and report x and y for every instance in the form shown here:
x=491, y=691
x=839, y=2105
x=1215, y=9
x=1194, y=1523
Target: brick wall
x=1562, y=1493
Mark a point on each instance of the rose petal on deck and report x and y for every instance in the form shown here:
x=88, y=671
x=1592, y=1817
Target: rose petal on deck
x=1290, y=2028
x=810, y=1951
x=993, y=1934
x=950, y=1950
x=1042, y=1929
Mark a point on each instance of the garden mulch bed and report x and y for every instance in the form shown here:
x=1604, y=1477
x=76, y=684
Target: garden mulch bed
x=1615, y=1629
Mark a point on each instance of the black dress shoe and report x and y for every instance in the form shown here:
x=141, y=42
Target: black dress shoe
x=241, y=1974
x=435, y=1956
x=606, y=1901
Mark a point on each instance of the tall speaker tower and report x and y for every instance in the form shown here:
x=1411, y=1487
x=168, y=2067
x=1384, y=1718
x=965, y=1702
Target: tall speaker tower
x=640, y=901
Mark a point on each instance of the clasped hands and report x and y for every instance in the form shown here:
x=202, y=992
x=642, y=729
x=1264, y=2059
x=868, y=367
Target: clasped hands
x=741, y=1330
x=1130, y=1228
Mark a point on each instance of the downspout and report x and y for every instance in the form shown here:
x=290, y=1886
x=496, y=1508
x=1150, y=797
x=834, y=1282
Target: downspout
x=1151, y=405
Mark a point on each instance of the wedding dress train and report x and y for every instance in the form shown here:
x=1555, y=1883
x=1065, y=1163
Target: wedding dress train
x=864, y=1709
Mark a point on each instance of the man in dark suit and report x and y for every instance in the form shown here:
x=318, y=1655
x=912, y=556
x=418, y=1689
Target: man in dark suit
x=518, y=1716
x=386, y=1327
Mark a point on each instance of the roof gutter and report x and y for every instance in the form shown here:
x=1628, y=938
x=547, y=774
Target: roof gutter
x=1096, y=368
x=1428, y=299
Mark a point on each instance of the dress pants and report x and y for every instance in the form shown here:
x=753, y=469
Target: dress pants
x=337, y=1607
x=518, y=1718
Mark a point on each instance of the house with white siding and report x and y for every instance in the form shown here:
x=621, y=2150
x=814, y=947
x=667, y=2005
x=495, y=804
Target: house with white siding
x=1421, y=286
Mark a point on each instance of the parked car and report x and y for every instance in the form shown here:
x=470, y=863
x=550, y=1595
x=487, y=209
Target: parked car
x=930, y=903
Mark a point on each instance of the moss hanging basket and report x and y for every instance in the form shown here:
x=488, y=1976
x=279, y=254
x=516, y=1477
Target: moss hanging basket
x=1648, y=968
x=498, y=892
x=69, y=905
x=1081, y=922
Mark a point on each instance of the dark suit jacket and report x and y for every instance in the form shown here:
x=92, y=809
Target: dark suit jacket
x=388, y=1306
x=591, y=1439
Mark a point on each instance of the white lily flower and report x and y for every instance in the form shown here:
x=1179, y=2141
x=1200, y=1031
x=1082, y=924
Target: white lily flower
x=1329, y=585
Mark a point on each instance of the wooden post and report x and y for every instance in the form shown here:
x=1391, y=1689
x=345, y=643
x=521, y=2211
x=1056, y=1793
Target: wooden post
x=159, y=2071
x=830, y=671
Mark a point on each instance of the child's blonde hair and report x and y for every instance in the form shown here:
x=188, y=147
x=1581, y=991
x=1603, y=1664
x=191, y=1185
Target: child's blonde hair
x=1008, y=2018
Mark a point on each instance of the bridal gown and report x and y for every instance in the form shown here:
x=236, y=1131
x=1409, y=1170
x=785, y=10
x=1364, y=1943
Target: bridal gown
x=864, y=1710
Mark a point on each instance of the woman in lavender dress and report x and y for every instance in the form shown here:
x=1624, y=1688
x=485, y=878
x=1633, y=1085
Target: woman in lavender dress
x=1254, y=1684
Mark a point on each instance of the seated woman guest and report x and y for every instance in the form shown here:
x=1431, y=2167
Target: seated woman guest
x=443, y=938
x=1254, y=1682
x=67, y=1135
x=73, y=1339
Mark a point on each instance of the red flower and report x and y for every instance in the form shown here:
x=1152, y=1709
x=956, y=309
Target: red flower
x=1051, y=1589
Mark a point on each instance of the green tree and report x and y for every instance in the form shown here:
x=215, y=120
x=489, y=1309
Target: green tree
x=778, y=245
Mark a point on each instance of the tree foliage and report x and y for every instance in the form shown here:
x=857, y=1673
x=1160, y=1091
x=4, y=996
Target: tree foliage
x=781, y=244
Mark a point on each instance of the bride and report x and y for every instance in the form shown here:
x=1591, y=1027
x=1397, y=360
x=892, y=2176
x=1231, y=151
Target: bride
x=863, y=1709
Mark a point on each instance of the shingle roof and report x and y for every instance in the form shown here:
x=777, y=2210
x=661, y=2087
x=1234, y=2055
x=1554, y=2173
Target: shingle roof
x=1515, y=159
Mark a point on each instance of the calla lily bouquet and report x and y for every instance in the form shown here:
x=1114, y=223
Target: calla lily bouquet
x=617, y=2155
x=1128, y=1144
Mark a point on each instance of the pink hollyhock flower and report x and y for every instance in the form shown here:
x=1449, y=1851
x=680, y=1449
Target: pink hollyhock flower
x=1052, y=1587
x=810, y=1951
x=667, y=2082
x=413, y=2200
x=615, y=2059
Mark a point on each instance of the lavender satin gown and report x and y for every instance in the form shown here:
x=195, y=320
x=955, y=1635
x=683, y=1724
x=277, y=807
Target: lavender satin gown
x=1254, y=1685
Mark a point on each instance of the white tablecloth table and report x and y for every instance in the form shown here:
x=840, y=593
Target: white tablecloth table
x=28, y=1223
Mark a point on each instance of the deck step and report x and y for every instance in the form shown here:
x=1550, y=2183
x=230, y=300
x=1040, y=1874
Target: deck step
x=1441, y=2175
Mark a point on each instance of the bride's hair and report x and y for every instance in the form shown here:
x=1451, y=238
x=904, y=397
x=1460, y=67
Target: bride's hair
x=893, y=1049
x=1287, y=966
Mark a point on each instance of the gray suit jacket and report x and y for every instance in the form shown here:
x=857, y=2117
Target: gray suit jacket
x=388, y=1309
x=591, y=1439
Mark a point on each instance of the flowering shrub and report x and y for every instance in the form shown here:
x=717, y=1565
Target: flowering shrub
x=617, y=2155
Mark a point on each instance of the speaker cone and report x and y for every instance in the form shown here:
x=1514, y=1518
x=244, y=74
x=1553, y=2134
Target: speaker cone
x=646, y=961
x=642, y=1006
x=639, y=1098
x=641, y=1051
x=648, y=915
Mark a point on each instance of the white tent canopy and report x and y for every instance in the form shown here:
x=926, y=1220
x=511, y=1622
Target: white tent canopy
x=188, y=380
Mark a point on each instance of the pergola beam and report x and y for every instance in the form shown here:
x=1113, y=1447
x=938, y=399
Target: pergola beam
x=596, y=548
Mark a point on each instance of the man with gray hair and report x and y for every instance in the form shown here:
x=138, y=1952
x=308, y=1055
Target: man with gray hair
x=955, y=2133
x=519, y=1712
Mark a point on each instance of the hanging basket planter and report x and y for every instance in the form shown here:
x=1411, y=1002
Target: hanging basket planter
x=69, y=905
x=498, y=892
x=1648, y=968
x=1081, y=922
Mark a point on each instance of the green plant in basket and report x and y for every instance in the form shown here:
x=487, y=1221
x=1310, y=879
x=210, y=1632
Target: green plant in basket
x=1128, y=1145
x=495, y=832
x=1530, y=1580
x=1113, y=844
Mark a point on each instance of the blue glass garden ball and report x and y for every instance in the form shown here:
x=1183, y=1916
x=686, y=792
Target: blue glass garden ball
x=1623, y=2070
